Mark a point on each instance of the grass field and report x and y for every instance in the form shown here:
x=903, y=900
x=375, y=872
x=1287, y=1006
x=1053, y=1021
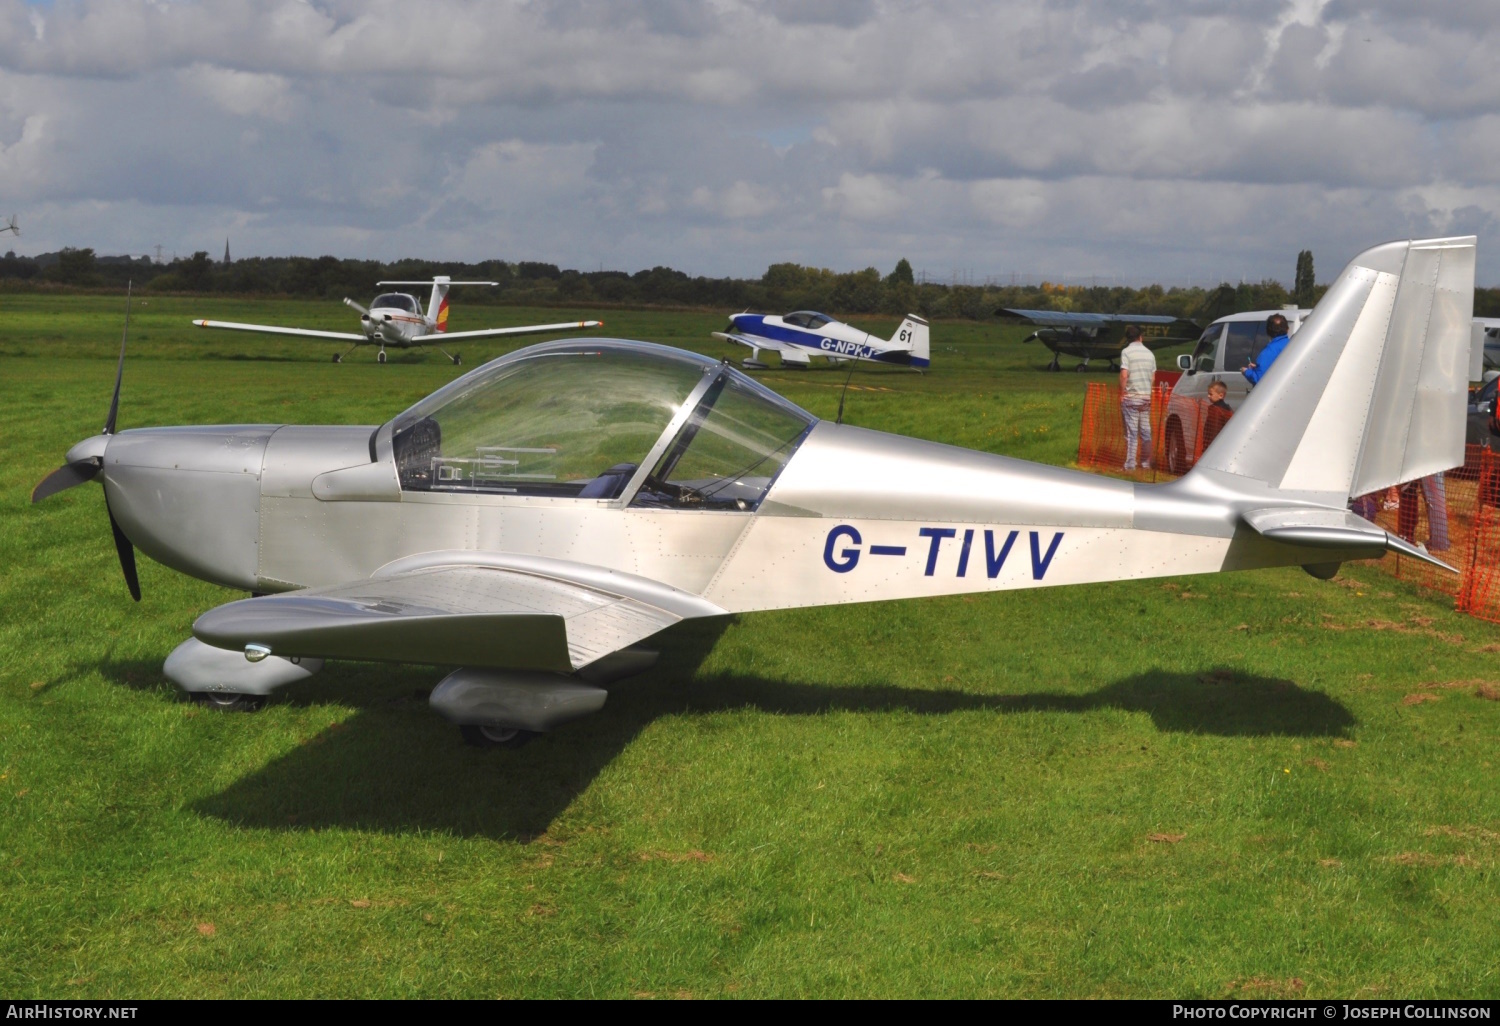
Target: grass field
x=1255, y=784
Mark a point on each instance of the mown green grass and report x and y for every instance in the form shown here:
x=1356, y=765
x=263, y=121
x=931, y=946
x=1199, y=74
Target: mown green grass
x=946, y=797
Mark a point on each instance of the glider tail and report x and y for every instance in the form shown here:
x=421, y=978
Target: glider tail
x=912, y=336
x=1371, y=391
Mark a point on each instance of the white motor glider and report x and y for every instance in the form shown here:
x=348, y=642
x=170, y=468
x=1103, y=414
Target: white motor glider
x=396, y=320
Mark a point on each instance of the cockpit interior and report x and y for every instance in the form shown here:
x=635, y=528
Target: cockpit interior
x=809, y=319
x=579, y=419
x=396, y=301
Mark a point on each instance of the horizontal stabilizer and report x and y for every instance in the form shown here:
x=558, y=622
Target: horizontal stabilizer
x=433, y=281
x=1335, y=529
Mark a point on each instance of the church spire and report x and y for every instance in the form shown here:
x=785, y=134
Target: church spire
x=226, y=251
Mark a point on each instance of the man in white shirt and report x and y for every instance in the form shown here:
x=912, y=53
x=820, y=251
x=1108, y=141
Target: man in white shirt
x=1137, y=375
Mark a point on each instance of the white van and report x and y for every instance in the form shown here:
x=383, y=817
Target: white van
x=1222, y=352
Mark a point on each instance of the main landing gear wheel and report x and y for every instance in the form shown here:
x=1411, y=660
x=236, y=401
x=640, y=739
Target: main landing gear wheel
x=228, y=701
x=1081, y=368
x=496, y=737
x=458, y=360
x=338, y=357
x=380, y=356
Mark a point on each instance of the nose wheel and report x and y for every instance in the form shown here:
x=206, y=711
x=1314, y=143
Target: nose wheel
x=380, y=356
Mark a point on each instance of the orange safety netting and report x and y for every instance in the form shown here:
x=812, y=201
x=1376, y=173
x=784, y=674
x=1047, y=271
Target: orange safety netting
x=1455, y=515
x=1101, y=438
x=1102, y=442
x=1479, y=593
x=1438, y=513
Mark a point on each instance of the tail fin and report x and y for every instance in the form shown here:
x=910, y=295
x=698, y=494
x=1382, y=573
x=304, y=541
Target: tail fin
x=1371, y=390
x=912, y=336
x=437, y=306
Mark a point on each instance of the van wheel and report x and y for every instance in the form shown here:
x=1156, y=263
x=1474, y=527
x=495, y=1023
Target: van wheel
x=1177, y=459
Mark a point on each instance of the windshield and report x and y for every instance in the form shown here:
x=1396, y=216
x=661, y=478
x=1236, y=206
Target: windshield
x=806, y=319
x=395, y=301
x=1206, y=349
x=569, y=419
x=730, y=451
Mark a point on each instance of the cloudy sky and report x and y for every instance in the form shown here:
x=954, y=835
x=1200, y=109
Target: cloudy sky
x=1135, y=140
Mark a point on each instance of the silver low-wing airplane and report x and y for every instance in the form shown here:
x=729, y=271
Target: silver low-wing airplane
x=806, y=333
x=396, y=319
x=534, y=521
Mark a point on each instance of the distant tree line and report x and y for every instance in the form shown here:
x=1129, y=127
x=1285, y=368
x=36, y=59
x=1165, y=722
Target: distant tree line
x=784, y=286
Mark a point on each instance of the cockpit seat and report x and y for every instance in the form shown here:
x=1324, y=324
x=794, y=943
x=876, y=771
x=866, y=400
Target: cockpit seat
x=609, y=484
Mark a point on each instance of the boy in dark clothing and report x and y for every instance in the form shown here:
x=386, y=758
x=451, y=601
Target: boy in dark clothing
x=1217, y=414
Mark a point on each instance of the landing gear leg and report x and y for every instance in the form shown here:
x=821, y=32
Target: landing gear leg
x=455, y=357
x=339, y=357
x=1054, y=366
x=1082, y=366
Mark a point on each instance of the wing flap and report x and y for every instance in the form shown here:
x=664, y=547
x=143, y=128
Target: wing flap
x=447, y=615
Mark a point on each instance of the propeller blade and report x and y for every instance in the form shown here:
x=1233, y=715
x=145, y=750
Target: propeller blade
x=114, y=402
x=126, y=552
x=352, y=304
x=65, y=477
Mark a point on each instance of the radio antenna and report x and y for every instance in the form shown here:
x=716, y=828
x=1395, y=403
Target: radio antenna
x=844, y=391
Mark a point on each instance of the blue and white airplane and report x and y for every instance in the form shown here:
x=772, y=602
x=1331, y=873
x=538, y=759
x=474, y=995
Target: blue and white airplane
x=806, y=333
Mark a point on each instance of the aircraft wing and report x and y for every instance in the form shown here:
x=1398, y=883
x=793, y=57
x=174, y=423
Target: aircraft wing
x=1072, y=319
x=753, y=341
x=525, y=329
x=268, y=329
x=510, y=612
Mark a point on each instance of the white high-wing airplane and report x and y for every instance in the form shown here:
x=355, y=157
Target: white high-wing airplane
x=395, y=319
x=534, y=520
x=804, y=333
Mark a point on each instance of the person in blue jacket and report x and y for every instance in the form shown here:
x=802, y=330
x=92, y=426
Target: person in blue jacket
x=1276, y=327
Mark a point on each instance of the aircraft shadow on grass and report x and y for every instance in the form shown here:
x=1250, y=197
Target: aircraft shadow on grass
x=395, y=767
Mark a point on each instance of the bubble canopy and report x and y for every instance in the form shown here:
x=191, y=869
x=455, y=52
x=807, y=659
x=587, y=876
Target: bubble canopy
x=580, y=419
